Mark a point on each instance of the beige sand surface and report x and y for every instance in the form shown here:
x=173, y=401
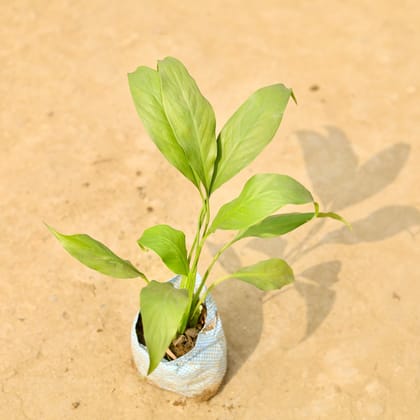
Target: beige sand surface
x=344, y=341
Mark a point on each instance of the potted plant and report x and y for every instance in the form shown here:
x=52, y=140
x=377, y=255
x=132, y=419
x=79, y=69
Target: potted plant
x=177, y=335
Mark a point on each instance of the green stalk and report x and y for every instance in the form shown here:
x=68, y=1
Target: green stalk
x=213, y=261
x=193, y=272
x=197, y=301
x=214, y=284
x=197, y=235
x=194, y=255
x=184, y=281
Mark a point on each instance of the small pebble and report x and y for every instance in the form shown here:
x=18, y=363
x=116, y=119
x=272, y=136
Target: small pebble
x=181, y=402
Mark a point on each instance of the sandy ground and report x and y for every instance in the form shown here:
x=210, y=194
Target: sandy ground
x=343, y=342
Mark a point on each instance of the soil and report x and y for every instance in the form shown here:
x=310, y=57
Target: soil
x=181, y=344
x=342, y=342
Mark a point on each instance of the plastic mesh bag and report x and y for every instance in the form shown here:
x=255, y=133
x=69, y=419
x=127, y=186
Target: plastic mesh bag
x=197, y=373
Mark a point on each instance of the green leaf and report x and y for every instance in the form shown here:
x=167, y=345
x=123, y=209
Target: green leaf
x=190, y=116
x=162, y=307
x=266, y=275
x=262, y=195
x=97, y=256
x=169, y=244
x=249, y=130
x=276, y=225
x=335, y=216
x=146, y=92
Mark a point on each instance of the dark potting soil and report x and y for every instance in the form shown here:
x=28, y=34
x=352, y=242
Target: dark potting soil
x=181, y=344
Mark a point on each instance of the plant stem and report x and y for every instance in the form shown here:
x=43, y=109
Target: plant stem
x=214, y=284
x=203, y=236
x=197, y=235
x=184, y=281
x=213, y=261
x=201, y=300
x=197, y=301
x=189, y=282
x=193, y=269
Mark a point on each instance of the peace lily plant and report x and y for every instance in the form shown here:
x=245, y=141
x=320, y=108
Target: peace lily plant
x=181, y=122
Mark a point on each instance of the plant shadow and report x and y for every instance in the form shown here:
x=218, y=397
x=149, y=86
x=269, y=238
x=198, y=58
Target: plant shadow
x=338, y=181
x=241, y=311
x=337, y=177
x=240, y=307
x=318, y=293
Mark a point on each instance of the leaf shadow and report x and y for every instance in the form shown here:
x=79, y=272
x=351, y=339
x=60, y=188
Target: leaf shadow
x=240, y=307
x=339, y=181
x=318, y=293
x=272, y=247
x=335, y=173
x=379, y=225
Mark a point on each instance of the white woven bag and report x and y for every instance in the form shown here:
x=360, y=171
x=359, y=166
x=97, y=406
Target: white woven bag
x=197, y=373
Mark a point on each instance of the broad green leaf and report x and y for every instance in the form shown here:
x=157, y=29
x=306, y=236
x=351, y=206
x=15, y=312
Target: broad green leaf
x=162, y=307
x=249, y=130
x=281, y=224
x=266, y=275
x=190, y=116
x=169, y=244
x=276, y=225
x=146, y=92
x=97, y=256
x=262, y=195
